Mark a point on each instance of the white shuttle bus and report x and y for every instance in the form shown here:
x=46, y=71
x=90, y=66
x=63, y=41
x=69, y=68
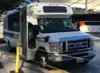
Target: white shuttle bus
x=90, y=26
x=47, y=34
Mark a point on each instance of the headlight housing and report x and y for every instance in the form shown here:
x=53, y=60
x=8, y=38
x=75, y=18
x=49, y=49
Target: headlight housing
x=91, y=43
x=55, y=47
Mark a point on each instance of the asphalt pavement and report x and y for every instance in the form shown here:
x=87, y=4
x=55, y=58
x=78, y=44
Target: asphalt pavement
x=92, y=67
x=7, y=63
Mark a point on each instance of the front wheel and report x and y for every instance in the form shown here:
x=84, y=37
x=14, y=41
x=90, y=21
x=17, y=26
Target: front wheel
x=42, y=59
x=10, y=49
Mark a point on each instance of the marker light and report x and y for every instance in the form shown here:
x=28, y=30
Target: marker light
x=57, y=4
x=53, y=4
x=36, y=5
x=50, y=4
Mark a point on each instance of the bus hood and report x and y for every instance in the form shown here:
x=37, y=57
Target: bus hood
x=66, y=36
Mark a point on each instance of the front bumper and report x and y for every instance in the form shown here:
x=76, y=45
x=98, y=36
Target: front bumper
x=67, y=58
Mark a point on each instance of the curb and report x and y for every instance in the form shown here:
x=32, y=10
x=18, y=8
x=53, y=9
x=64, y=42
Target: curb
x=96, y=38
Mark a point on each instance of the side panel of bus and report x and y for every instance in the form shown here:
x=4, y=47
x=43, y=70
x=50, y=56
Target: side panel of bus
x=12, y=28
x=93, y=26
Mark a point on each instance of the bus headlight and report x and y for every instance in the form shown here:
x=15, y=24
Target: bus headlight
x=55, y=47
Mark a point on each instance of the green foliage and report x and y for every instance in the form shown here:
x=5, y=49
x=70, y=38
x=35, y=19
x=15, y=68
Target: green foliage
x=9, y=4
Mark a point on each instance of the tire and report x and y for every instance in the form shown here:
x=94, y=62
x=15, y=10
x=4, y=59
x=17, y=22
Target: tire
x=85, y=63
x=43, y=61
x=42, y=58
x=10, y=49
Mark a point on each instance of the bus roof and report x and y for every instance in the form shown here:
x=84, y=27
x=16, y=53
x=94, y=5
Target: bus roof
x=49, y=9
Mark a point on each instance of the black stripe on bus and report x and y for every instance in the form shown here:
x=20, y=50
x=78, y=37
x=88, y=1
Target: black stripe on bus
x=92, y=23
x=9, y=34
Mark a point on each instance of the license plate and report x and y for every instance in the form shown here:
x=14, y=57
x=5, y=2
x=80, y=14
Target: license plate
x=79, y=60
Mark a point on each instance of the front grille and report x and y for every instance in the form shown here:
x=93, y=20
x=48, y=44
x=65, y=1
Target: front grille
x=76, y=47
x=78, y=44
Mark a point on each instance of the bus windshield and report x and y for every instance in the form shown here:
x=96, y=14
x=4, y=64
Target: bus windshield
x=52, y=25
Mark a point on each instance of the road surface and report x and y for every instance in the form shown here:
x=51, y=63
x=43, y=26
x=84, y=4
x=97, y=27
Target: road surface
x=92, y=67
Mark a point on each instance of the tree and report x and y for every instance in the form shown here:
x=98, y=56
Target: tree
x=9, y=4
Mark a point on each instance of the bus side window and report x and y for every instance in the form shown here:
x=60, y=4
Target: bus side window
x=13, y=22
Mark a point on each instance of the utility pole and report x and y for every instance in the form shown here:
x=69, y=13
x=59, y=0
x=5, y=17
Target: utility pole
x=86, y=5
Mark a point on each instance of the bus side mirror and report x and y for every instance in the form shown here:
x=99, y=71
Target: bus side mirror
x=46, y=38
x=36, y=29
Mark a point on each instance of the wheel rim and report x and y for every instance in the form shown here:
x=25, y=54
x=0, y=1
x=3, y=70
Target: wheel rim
x=43, y=61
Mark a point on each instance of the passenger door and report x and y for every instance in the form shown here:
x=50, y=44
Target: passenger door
x=23, y=32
